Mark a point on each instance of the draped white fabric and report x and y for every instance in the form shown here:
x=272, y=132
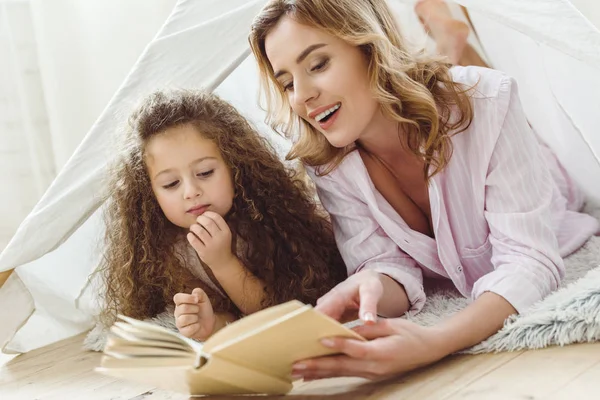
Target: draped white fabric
x=204, y=44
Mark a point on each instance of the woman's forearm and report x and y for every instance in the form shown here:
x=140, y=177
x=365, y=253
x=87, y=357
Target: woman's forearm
x=480, y=320
x=394, y=301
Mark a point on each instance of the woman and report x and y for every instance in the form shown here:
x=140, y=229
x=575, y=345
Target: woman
x=427, y=171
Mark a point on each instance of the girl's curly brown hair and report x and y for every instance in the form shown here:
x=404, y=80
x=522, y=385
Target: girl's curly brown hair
x=290, y=243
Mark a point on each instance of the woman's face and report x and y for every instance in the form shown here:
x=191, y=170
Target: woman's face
x=325, y=79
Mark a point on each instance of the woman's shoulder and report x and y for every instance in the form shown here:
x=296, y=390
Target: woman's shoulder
x=486, y=83
x=490, y=97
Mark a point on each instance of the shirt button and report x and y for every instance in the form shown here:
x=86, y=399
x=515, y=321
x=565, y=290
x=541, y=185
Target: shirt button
x=459, y=268
x=406, y=241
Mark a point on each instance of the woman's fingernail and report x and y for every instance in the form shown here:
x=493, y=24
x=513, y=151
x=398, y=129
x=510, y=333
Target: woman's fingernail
x=296, y=376
x=327, y=342
x=299, y=366
x=369, y=317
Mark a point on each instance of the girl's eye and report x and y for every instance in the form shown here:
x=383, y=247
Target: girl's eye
x=206, y=174
x=289, y=86
x=170, y=185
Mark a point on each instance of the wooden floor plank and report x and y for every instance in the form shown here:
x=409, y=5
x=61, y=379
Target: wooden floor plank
x=533, y=375
x=434, y=382
x=64, y=371
x=28, y=365
x=4, y=276
x=583, y=386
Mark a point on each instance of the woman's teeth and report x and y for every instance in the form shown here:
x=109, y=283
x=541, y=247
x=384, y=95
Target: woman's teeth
x=325, y=113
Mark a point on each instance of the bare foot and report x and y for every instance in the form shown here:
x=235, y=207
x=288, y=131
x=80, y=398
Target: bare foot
x=449, y=34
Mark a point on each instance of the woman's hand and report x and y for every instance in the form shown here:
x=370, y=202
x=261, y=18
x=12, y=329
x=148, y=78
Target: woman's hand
x=395, y=346
x=367, y=292
x=359, y=293
x=194, y=315
x=210, y=236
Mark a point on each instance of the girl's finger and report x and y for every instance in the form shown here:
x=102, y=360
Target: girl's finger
x=190, y=330
x=208, y=224
x=202, y=234
x=201, y=295
x=181, y=298
x=204, y=304
x=196, y=243
x=184, y=308
x=218, y=220
x=187, y=319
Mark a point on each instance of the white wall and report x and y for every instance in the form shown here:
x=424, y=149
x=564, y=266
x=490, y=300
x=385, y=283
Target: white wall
x=86, y=48
x=60, y=63
x=26, y=165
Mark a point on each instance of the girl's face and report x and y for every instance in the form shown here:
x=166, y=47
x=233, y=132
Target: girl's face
x=188, y=175
x=326, y=80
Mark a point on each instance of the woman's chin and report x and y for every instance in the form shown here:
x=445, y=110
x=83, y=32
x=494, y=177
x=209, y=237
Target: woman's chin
x=340, y=141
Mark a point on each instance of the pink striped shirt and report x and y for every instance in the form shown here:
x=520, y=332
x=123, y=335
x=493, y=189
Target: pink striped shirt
x=504, y=211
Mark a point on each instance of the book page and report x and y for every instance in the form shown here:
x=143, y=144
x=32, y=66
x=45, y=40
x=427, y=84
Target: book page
x=251, y=323
x=148, y=331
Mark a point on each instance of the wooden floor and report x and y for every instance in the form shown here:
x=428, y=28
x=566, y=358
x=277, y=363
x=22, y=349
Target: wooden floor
x=64, y=371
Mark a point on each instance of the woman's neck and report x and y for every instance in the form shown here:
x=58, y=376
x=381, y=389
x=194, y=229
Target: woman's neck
x=384, y=140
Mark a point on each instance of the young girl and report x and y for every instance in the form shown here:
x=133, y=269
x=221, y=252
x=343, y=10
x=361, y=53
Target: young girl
x=202, y=211
x=429, y=171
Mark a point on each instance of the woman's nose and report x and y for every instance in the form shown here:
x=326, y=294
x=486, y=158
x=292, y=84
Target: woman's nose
x=304, y=91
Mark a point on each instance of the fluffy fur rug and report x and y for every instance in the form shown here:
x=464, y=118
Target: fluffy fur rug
x=569, y=315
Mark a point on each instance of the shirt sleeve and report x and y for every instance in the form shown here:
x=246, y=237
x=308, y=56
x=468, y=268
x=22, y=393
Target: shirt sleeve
x=362, y=242
x=518, y=200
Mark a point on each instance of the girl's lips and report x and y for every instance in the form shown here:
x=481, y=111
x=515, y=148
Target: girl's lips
x=198, y=210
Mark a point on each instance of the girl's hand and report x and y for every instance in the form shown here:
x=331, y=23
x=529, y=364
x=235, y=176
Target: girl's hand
x=396, y=346
x=194, y=316
x=211, y=238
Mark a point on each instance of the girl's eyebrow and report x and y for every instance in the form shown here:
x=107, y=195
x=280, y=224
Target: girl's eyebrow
x=302, y=56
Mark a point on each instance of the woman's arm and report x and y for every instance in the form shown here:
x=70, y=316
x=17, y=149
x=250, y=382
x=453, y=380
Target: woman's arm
x=478, y=321
x=521, y=209
x=383, y=279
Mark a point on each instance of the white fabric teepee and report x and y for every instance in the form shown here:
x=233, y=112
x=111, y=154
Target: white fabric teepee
x=548, y=45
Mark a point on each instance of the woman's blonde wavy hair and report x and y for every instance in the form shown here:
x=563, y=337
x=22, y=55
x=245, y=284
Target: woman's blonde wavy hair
x=416, y=91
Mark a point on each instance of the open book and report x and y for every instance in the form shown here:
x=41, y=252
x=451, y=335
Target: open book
x=249, y=356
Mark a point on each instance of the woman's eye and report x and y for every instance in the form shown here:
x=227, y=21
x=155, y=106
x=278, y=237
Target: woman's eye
x=288, y=86
x=320, y=65
x=206, y=174
x=170, y=185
